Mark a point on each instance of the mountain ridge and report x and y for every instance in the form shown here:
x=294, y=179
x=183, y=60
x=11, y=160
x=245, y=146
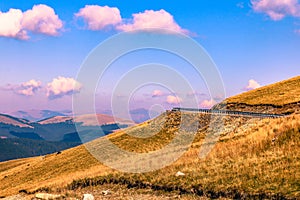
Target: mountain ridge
x=277, y=98
x=55, y=133
x=7, y=119
x=34, y=115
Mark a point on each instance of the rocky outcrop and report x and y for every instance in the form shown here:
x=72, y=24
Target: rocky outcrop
x=262, y=108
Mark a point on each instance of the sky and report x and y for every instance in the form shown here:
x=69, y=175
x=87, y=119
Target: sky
x=43, y=45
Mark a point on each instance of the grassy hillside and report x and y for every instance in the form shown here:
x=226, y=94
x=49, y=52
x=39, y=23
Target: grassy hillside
x=253, y=158
x=278, y=98
x=281, y=93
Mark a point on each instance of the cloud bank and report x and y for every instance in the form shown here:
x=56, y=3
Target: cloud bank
x=28, y=88
x=62, y=86
x=277, y=9
x=173, y=100
x=59, y=87
x=252, y=84
x=208, y=103
x=157, y=93
x=41, y=19
x=152, y=19
x=100, y=17
x=10, y=24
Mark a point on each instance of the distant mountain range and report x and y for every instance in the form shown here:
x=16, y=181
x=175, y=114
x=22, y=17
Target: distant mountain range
x=36, y=115
x=137, y=115
x=51, y=134
x=37, y=132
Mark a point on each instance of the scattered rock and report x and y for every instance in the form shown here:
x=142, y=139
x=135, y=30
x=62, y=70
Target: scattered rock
x=88, y=197
x=15, y=197
x=179, y=173
x=105, y=192
x=47, y=196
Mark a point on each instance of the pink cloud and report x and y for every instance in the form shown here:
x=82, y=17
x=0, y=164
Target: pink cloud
x=62, y=86
x=99, y=17
x=152, y=19
x=10, y=24
x=208, y=103
x=277, y=9
x=252, y=84
x=40, y=19
x=173, y=100
x=28, y=88
x=157, y=93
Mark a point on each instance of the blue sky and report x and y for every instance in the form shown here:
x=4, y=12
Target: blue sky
x=258, y=41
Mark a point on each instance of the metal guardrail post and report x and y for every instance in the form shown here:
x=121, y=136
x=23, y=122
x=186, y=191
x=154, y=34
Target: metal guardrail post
x=229, y=112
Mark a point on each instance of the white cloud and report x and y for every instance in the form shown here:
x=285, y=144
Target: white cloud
x=208, y=103
x=62, y=86
x=28, y=88
x=252, y=84
x=10, y=24
x=99, y=17
x=157, y=93
x=40, y=19
x=277, y=9
x=152, y=19
x=173, y=100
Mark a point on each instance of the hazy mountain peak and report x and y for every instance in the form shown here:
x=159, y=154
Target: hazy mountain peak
x=6, y=119
x=36, y=115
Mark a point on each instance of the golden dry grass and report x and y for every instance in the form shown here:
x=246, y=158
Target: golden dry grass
x=33, y=173
x=262, y=159
x=281, y=93
x=245, y=160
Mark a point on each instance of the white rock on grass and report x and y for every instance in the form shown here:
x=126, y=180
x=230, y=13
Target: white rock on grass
x=15, y=197
x=47, y=196
x=88, y=197
x=179, y=173
x=105, y=192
